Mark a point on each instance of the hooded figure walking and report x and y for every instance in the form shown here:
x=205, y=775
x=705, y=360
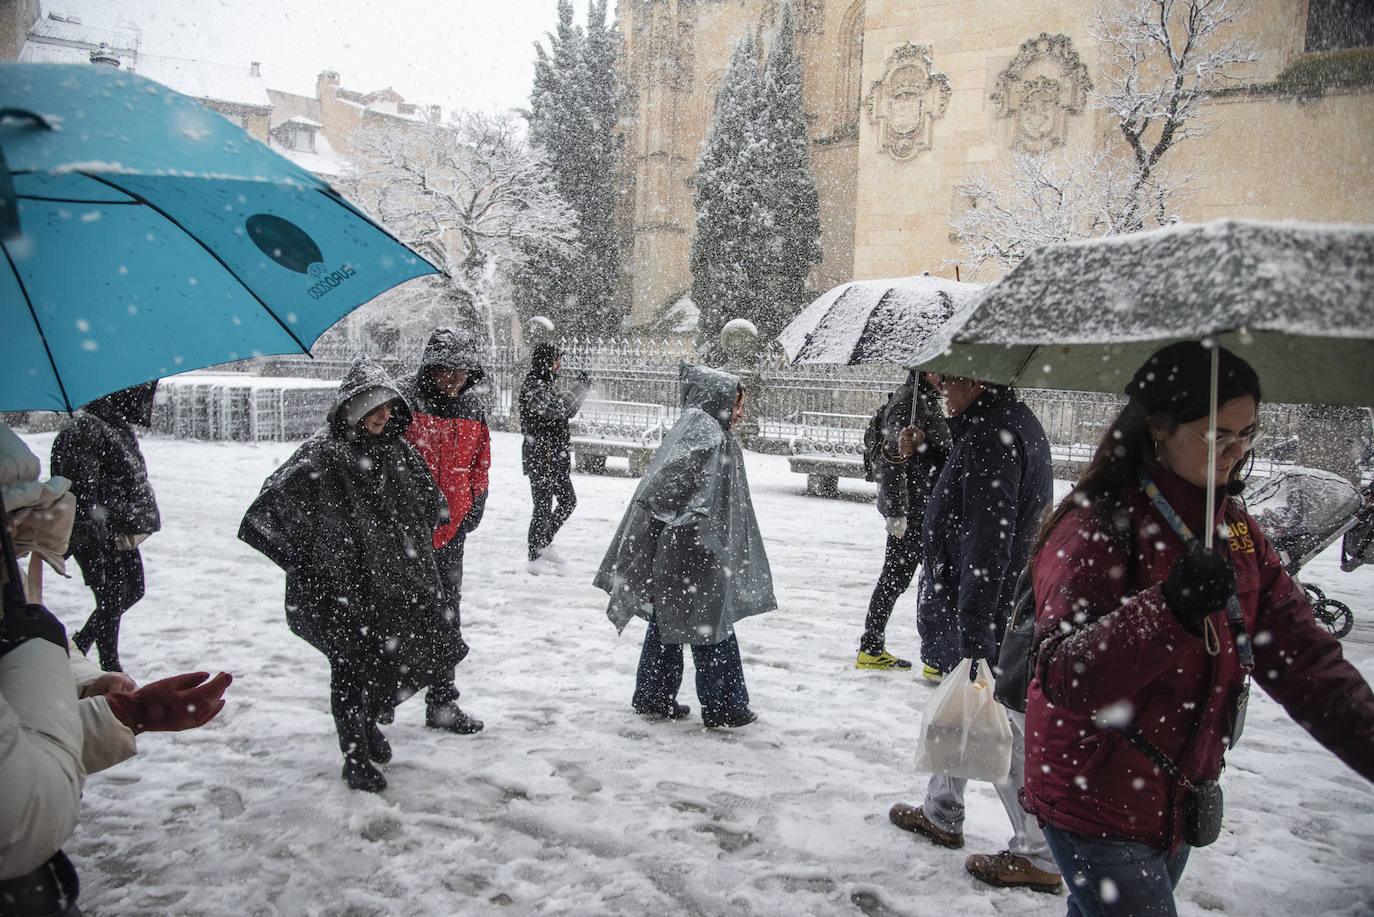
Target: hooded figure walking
x=449, y=430
x=544, y=455
x=351, y=518
x=915, y=444
x=688, y=557
x=115, y=508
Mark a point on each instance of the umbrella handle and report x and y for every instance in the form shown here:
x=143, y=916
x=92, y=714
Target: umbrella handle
x=1209, y=533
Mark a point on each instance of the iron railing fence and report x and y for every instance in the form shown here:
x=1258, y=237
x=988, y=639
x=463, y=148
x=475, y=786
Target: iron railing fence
x=785, y=399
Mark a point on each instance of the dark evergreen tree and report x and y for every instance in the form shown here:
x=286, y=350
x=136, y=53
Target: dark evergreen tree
x=573, y=117
x=792, y=198
x=725, y=192
x=758, y=212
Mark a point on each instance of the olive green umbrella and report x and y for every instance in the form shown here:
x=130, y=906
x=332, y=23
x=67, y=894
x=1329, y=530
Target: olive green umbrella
x=1295, y=300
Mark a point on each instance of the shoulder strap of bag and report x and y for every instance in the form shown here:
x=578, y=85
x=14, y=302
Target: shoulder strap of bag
x=1158, y=757
x=1235, y=618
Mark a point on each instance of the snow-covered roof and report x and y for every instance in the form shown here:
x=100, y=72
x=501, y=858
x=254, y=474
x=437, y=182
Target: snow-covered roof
x=236, y=85
x=299, y=121
x=56, y=29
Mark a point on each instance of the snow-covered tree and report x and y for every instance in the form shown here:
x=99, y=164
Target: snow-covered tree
x=573, y=118
x=471, y=196
x=758, y=218
x=727, y=195
x=1159, y=61
x=791, y=191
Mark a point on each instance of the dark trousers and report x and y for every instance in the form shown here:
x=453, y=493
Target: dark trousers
x=720, y=677
x=554, y=501
x=356, y=700
x=444, y=690
x=115, y=579
x=900, y=560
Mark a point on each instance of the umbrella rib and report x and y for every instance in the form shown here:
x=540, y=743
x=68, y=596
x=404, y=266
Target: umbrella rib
x=42, y=335
x=74, y=200
x=208, y=250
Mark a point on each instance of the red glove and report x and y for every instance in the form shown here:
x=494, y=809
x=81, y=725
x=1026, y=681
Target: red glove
x=172, y=704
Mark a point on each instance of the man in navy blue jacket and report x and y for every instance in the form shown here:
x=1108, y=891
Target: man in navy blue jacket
x=979, y=523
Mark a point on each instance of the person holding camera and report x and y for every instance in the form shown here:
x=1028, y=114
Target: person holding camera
x=1147, y=641
x=545, y=454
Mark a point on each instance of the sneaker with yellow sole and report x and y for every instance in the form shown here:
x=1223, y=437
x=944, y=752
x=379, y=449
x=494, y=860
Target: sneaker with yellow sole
x=930, y=673
x=883, y=660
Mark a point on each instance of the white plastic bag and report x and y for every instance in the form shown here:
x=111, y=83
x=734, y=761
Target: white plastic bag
x=965, y=732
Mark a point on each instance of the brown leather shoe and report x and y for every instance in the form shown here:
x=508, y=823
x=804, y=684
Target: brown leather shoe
x=1007, y=870
x=911, y=818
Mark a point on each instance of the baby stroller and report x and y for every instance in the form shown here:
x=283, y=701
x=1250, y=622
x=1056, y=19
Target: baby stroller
x=1303, y=511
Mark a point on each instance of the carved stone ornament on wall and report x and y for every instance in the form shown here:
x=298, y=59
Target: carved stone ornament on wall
x=665, y=38
x=1042, y=86
x=904, y=104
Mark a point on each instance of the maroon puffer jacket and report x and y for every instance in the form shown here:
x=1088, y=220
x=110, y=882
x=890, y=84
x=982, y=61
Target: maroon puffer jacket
x=1109, y=643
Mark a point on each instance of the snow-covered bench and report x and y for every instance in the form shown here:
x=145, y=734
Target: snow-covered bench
x=632, y=429
x=829, y=447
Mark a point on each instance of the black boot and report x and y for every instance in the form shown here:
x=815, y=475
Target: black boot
x=359, y=774
x=442, y=711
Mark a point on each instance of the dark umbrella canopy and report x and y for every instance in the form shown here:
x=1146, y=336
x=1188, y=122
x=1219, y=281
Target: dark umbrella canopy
x=1295, y=300
x=153, y=236
x=873, y=321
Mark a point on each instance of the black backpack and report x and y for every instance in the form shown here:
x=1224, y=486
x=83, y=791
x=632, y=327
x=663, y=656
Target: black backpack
x=1015, y=665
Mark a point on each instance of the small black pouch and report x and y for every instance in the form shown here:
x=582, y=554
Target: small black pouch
x=1202, y=807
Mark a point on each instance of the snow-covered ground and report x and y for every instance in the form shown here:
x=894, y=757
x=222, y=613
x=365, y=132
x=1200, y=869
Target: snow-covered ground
x=568, y=803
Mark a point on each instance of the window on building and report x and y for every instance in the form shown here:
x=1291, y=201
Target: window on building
x=1335, y=24
x=849, y=85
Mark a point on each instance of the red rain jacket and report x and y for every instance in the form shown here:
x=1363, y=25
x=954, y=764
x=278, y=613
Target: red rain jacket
x=1129, y=657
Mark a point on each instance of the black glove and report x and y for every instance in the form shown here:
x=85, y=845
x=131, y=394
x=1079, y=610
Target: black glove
x=583, y=378
x=474, y=514
x=24, y=622
x=1199, y=585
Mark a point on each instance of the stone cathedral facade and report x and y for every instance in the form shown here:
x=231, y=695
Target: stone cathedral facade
x=905, y=99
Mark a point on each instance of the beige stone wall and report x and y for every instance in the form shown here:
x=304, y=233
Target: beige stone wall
x=1266, y=157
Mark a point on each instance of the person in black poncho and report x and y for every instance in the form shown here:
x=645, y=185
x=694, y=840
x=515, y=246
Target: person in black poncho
x=350, y=517
x=115, y=508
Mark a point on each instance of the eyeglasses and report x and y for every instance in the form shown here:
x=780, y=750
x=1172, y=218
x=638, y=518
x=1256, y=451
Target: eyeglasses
x=1245, y=438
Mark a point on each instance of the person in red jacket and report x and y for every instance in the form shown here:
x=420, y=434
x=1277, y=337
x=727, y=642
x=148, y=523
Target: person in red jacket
x=450, y=432
x=1141, y=668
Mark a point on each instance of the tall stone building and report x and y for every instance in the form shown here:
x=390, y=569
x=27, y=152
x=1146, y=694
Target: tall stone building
x=905, y=99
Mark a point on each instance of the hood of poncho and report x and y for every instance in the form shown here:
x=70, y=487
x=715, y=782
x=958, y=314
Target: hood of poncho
x=366, y=386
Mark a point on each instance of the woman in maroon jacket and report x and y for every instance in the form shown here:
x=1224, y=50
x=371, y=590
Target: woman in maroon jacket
x=1141, y=668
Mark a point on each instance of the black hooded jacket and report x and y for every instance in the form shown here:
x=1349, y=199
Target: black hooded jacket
x=350, y=518
x=544, y=415
x=98, y=452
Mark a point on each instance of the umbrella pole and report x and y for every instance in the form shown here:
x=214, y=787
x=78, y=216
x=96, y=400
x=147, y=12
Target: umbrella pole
x=1212, y=448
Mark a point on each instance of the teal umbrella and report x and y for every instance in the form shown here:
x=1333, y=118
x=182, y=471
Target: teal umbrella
x=146, y=235
x=1295, y=300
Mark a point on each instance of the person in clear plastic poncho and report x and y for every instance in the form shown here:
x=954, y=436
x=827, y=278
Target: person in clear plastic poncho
x=688, y=557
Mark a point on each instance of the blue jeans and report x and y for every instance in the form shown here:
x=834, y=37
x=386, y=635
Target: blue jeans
x=720, y=677
x=1110, y=877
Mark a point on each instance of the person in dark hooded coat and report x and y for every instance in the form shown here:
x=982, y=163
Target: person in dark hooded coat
x=689, y=558
x=350, y=518
x=544, y=454
x=450, y=432
x=915, y=444
x=98, y=452
x=977, y=533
